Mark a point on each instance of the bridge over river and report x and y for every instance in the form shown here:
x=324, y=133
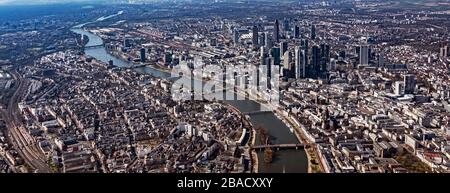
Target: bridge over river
x=94, y=46
x=282, y=146
x=256, y=112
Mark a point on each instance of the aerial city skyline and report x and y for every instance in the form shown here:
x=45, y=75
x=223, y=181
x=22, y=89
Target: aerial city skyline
x=333, y=86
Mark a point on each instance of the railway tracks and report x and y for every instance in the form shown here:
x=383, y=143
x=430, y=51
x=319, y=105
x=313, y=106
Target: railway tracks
x=21, y=140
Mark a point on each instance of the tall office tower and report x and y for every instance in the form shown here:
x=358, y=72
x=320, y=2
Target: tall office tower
x=255, y=36
x=286, y=68
x=304, y=62
x=297, y=58
x=358, y=51
x=322, y=68
x=325, y=52
x=410, y=84
x=332, y=66
x=236, y=37
x=262, y=39
x=143, y=59
x=286, y=25
x=271, y=67
x=313, y=32
x=297, y=31
x=444, y=51
x=269, y=63
x=283, y=47
x=268, y=41
x=287, y=60
x=399, y=88
x=304, y=44
x=263, y=55
x=300, y=63
x=322, y=49
x=325, y=58
x=257, y=78
x=275, y=54
x=315, y=62
x=276, y=31
x=364, y=55
x=381, y=59
x=265, y=60
x=262, y=60
x=262, y=51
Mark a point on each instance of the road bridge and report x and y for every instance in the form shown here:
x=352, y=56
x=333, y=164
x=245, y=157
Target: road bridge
x=282, y=146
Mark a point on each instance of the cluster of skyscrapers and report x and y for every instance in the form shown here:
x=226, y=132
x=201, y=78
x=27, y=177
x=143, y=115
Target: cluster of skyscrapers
x=305, y=62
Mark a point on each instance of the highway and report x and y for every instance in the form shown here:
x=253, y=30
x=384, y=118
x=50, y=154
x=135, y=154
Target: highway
x=17, y=134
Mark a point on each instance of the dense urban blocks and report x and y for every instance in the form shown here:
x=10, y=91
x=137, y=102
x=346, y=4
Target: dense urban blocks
x=338, y=86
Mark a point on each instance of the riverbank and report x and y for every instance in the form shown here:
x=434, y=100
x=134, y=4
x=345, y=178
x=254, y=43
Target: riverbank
x=153, y=66
x=251, y=140
x=314, y=165
x=255, y=161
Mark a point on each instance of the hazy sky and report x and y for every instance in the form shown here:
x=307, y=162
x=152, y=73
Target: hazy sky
x=16, y=2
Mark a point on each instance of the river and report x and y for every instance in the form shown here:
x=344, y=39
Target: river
x=289, y=161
